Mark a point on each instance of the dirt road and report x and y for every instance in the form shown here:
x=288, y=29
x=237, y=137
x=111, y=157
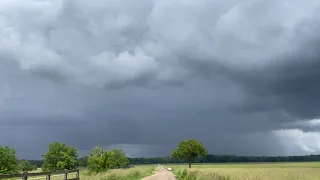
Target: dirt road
x=162, y=174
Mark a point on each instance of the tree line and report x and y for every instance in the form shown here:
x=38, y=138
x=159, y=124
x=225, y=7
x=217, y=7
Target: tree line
x=63, y=157
x=210, y=158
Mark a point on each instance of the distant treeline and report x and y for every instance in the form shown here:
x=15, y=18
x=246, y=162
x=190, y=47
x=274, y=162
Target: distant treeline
x=209, y=159
x=227, y=159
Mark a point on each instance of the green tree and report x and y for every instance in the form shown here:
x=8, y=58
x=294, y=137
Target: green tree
x=60, y=157
x=97, y=160
x=83, y=161
x=8, y=160
x=117, y=159
x=189, y=150
x=26, y=166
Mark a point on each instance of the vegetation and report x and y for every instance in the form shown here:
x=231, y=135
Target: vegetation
x=249, y=171
x=117, y=159
x=8, y=160
x=25, y=166
x=227, y=159
x=83, y=161
x=208, y=159
x=197, y=175
x=97, y=160
x=110, y=165
x=60, y=157
x=189, y=150
x=136, y=173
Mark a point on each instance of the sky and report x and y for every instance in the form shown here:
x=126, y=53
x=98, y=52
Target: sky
x=241, y=76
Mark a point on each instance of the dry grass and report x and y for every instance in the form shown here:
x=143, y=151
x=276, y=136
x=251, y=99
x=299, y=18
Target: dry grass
x=253, y=171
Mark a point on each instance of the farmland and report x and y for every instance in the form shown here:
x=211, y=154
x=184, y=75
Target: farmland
x=251, y=171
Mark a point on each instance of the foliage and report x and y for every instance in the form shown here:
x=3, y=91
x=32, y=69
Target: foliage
x=83, y=161
x=197, y=175
x=60, y=157
x=117, y=159
x=189, y=150
x=209, y=159
x=97, y=160
x=226, y=159
x=8, y=160
x=136, y=173
x=253, y=171
x=100, y=160
x=26, y=166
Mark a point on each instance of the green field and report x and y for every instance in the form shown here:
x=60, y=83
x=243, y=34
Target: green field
x=252, y=171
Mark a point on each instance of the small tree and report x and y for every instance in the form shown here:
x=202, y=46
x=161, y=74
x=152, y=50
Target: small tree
x=8, y=160
x=117, y=159
x=26, y=166
x=189, y=150
x=60, y=157
x=97, y=160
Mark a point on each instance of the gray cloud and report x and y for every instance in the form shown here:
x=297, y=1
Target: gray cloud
x=241, y=76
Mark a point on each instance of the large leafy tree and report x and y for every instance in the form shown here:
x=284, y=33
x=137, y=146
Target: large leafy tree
x=97, y=160
x=8, y=160
x=60, y=157
x=189, y=150
x=117, y=159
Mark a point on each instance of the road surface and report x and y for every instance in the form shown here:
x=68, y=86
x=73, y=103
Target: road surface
x=162, y=174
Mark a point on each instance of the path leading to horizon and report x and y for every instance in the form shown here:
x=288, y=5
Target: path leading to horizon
x=162, y=174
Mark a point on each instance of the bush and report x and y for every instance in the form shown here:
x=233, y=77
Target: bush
x=97, y=160
x=26, y=166
x=196, y=175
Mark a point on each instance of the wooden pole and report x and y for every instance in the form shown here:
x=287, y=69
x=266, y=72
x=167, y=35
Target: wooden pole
x=77, y=175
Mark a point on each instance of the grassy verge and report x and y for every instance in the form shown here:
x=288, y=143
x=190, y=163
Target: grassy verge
x=198, y=175
x=127, y=174
x=136, y=173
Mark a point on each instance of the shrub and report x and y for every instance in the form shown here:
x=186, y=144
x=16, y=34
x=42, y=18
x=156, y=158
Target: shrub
x=196, y=175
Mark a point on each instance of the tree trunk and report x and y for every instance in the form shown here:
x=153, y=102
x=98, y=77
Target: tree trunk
x=189, y=164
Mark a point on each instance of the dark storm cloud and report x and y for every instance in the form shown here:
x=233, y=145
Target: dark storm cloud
x=147, y=74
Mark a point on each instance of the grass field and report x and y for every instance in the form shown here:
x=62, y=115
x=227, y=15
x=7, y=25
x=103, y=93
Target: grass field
x=136, y=173
x=251, y=171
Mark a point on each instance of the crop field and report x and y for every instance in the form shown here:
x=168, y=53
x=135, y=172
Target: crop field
x=250, y=171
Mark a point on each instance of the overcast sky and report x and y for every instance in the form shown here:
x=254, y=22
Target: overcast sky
x=242, y=76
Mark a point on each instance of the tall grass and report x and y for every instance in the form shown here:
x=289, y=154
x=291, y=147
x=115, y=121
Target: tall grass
x=249, y=171
x=197, y=175
x=136, y=173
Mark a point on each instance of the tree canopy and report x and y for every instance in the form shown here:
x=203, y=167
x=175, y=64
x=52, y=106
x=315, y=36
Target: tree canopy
x=117, y=159
x=97, y=160
x=60, y=157
x=8, y=160
x=189, y=150
x=26, y=166
x=100, y=160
